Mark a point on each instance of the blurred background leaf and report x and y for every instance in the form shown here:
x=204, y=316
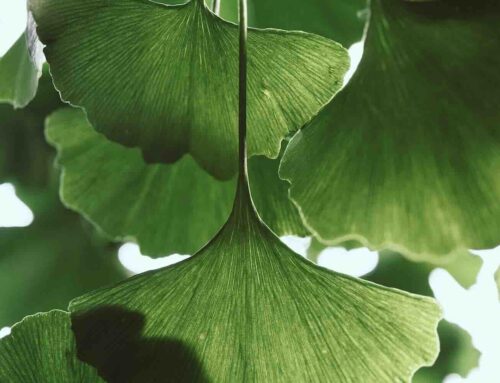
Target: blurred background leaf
x=57, y=257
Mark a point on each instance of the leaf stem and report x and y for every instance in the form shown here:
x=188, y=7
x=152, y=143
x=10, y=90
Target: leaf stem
x=216, y=7
x=242, y=123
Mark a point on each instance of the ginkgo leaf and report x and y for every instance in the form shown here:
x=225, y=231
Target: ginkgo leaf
x=340, y=20
x=41, y=348
x=270, y=195
x=167, y=209
x=407, y=156
x=164, y=78
x=18, y=75
x=25, y=158
x=457, y=354
x=180, y=207
x=56, y=258
x=247, y=298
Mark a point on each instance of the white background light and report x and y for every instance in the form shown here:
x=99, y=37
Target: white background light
x=14, y=212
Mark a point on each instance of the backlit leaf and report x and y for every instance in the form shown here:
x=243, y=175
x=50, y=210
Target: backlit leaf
x=166, y=209
x=228, y=313
x=407, y=156
x=164, y=78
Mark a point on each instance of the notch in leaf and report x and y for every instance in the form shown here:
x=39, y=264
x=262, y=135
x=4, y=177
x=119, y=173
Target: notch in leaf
x=163, y=78
x=407, y=156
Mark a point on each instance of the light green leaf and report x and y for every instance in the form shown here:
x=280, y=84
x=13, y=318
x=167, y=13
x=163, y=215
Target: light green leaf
x=165, y=78
x=407, y=156
x=41, y=348
x=248, y=298
x=18, y=75
x=166, y=209
x=457, y=353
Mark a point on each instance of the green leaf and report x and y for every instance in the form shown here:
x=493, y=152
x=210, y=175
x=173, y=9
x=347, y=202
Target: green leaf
x=167, y=209
x=179, y=208
x=25, y=159
x=18, y=75
x=248, y=298
x=270, y=195
x=164, y=78
x=340, y=20
x=56, y=258
x=395, y=271
x=457, y=353
x=41, y=348
x=407, y=156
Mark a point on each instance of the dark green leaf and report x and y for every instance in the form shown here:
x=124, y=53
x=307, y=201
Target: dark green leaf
x=57, y=258
x=164, y=78
x=340, y=20
x=407, y=156
x=41, y=349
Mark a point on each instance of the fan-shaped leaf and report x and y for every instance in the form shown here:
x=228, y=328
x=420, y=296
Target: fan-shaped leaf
x=166, y=209
x=407, y=156
x=248, y=298
x=164, y=78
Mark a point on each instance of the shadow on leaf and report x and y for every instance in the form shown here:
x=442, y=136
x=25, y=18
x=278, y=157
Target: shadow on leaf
x=110, y=339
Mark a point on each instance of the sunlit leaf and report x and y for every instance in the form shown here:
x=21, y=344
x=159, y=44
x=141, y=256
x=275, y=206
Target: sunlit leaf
x=247, y=299
x=457, y=353
x=407, y=156
x=165, y=78
x=41, y=348
x=18, y=75
x=166, y=209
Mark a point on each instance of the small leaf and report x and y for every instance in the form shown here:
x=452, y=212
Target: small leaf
x=407, y=156
x=41, y=348
x=18, y=75
x=164, y=78
x=228, y=313
x=166, y=209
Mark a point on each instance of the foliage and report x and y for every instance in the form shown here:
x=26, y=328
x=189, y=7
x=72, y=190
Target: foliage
x=404, y=159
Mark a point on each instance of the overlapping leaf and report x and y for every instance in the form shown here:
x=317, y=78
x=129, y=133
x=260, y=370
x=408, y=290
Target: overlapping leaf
x=407, y=156
x=248, y=298
x=41, y=348
x=166, y=209
x=18, y=75
x=56, y=258
x=164, y=78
